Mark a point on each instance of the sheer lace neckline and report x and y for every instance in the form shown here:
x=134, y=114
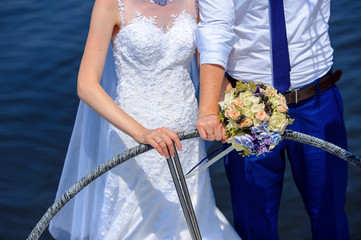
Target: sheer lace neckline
x=152, y=21
x=163, y=17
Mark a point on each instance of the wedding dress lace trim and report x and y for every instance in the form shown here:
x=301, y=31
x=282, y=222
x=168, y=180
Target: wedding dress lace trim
x=121, y=10
x=139, y=14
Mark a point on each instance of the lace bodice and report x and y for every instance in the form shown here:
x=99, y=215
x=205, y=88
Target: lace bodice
x=153, y=69
x=152, y=59
x=142, y=44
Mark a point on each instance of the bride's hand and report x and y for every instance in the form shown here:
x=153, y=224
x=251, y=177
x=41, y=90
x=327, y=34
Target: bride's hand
x=161, y=139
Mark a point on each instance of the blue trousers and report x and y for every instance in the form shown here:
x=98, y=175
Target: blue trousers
x=256, y=182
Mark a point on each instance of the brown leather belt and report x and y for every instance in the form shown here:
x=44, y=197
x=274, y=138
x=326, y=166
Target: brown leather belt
x=299, y=94
x=325, y=82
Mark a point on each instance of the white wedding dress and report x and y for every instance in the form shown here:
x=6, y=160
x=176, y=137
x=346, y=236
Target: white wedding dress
x=137, y=200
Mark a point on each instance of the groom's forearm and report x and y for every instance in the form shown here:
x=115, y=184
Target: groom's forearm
x=211, y=79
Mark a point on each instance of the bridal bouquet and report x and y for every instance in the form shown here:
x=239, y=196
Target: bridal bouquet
x=255, y=116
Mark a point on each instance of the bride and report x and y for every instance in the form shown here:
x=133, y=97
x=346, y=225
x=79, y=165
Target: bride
x=138, y=90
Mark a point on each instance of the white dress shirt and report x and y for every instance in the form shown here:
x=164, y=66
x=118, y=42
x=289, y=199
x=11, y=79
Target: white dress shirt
x=236, y=35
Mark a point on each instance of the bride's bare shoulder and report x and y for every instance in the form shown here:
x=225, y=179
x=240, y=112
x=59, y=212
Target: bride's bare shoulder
x=110, y=6
x=108, y=2
x=107, y=9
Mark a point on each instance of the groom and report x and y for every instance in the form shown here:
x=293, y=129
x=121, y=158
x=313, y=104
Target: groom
x=235, y=37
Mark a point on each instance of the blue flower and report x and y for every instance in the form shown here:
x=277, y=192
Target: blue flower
x=245, y=140
x=275, y=138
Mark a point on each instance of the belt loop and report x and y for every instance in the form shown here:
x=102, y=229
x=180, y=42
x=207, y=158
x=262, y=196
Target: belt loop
x=317, y=86
x=296, y=95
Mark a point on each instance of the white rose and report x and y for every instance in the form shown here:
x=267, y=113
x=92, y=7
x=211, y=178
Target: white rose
x=247, y=103
x=277, y=122
x=232, y=125
x=228, y=99
x=247, y=112
x=275, y=101
x=254, y=99
x=257, y=122
x=257, y=107
x=245, y=95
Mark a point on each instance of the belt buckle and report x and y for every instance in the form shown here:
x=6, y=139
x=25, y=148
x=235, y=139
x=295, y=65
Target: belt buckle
x=295, y=90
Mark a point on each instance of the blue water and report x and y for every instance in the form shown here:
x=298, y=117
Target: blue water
x=41, y=43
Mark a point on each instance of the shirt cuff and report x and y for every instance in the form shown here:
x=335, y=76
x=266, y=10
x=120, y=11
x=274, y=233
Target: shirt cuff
x=214, y=44
x=214, y=58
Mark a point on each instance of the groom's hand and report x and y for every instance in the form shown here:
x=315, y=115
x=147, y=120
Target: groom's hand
x=210, y=128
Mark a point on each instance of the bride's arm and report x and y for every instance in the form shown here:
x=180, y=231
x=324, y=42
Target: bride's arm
x=105, y=18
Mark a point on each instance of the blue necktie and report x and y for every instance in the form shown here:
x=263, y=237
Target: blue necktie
x=280, y=56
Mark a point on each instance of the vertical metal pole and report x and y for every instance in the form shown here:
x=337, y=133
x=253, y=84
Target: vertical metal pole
x=186, y=193
x=181, y=198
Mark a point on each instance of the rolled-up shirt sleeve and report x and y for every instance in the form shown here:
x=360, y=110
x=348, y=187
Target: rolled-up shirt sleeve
x=214, y=36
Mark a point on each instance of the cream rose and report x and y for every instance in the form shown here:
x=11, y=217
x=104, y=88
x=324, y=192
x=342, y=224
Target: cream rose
x=257, y=122
x=228, y=100
x=245, y=95
x=254, y=100
x=277, y=122
x=247, y=112
x=247, y=103
x=232, y=125
x=257, y=107
x=275, y=101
